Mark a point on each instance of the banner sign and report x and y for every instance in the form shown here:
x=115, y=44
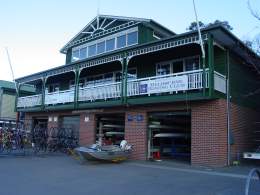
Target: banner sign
x=160, y=85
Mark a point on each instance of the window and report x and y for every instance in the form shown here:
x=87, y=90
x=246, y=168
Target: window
x=131, y=75
x=121, y=41
x=108, y=77
x=82, y=82
x=101, y=47
x=72, y=84
x=163, y=69
x=83, y=53
x=132, y=38
x=53, y=88
x=92, y=50
x=118, y=76
x=177, y=66
x=75, y=55
x=118, y=40
x=110, y=44
x=192, y=63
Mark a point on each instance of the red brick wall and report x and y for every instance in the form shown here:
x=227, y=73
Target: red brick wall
x=87, y=129
x=243, y=124
x=209, y=129
x=209, y=133
x=136, y=133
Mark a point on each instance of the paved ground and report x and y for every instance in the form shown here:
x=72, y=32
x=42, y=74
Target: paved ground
x=56, y=175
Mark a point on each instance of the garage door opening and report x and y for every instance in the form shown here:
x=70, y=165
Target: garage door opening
x=169, y=136
x=110, y=129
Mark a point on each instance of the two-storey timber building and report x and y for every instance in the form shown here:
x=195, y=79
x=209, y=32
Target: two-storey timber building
x=134, y=79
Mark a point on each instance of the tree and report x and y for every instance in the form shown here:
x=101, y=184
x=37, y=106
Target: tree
x=254, y=13
x=193, y=26
x=254, y=43
x=223, y=23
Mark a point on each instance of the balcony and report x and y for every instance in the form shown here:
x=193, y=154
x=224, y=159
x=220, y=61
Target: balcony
x=183, y=81
x=100, y=92
x=159, y=85
x=59, y=97
x=29, y=101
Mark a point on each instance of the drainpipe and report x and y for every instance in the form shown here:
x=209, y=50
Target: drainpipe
x=228, y=110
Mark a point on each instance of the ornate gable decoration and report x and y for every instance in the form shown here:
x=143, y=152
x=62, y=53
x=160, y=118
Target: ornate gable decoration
x=100, y=26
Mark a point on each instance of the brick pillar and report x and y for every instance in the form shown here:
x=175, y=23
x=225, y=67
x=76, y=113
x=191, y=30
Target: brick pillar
x=209, y=133
x=87, y=129
x=136, y=133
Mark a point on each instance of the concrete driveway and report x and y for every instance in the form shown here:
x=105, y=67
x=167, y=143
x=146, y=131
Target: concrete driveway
x=54, y=175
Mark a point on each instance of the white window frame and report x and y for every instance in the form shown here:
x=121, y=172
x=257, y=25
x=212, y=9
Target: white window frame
x=115, y=36
x=175, y=60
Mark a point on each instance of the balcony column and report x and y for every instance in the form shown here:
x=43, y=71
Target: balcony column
x=17, y=95
x=76, y=89
x=211, y=65
x=123, y=63
x=43, y=91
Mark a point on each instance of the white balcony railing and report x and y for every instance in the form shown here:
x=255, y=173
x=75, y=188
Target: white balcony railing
x=171, y=83
x=29, y=101
x=219, y=82
x=59, y=97
x=183, y=81
x=100, y=92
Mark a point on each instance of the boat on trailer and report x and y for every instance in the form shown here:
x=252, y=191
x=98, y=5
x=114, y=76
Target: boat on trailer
x=111, y=153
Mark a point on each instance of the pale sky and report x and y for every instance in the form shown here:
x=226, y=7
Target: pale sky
x=35, y=30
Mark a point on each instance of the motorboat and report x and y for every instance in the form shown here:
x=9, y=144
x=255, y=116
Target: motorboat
x=112, y=153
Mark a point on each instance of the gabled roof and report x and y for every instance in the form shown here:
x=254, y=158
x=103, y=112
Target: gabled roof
x=105, y=24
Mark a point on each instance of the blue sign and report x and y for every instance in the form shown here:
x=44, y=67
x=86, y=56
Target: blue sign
x=130, y=117
x=143, y=88
x=139, y=117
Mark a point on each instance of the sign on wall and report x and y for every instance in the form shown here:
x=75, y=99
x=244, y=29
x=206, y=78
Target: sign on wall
x=160, y=85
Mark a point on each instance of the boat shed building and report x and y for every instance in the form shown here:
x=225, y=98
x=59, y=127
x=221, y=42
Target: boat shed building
x=134, y=79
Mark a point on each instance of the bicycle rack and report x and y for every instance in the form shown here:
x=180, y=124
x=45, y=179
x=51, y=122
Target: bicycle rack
x=249, y=178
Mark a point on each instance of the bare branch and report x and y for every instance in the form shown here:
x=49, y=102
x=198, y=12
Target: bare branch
x=252, y=11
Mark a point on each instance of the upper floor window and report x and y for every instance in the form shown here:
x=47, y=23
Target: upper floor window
x=106, y=44
x=75, y=55
x=83, y=53
x=101, y=47
x=92, y=50
x=178, y=65
x=53, y=88
x=110, y=44
x=163, y=68
x=192, y=63
x=121, y=41
x=132, y=38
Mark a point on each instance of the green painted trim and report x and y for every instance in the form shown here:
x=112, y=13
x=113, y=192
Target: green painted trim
x=43, y=91
x=125, y=81
x=123, y=63
x=204, y=76
x=76, y=88
x=211, y=64
x=168, y=98
x=100, y=104
x=59, y=107
x=32, y=109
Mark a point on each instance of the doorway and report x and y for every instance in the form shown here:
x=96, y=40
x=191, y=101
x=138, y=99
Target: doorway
x=169, y=136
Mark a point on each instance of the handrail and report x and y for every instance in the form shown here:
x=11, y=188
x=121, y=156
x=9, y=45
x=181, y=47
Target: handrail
x=169, y=75
x=101, y=85
x=219, y=74
x=58, y=92
x=249, y=177
x=37, y=95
